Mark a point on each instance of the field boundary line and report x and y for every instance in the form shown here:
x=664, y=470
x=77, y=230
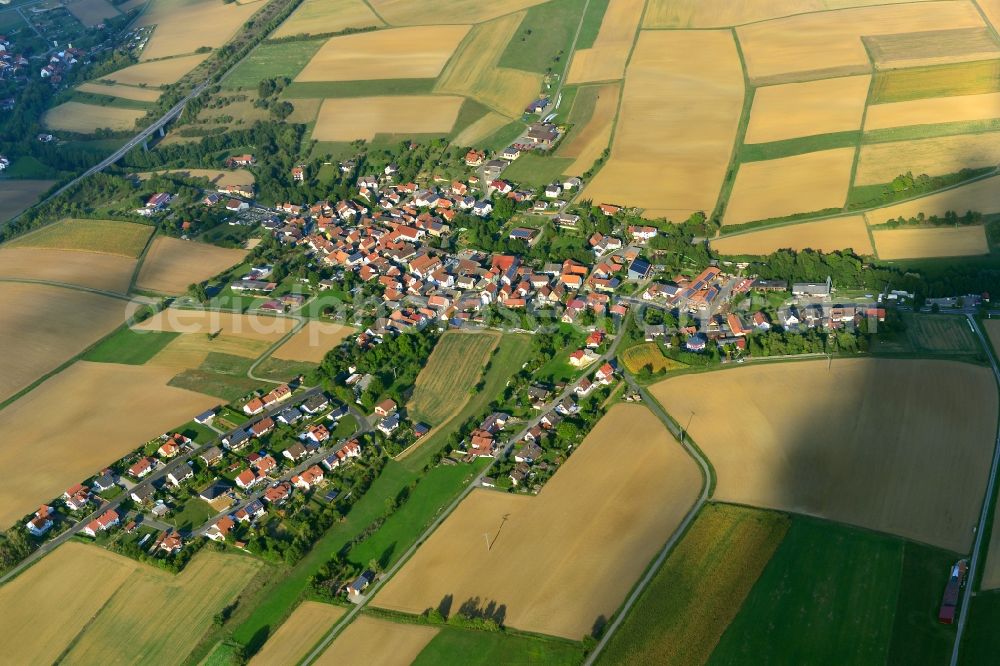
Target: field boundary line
x=729, y=180
x=141, y=259
x=300, y=323
x=989, y=24
x=851, y=184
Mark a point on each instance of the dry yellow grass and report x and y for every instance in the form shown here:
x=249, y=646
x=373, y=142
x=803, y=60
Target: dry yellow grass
x=91, y=12
x=156, y=617
x=183, y=26
x=264, y=328
x=16, y=195
x=687, y=146
x=605, y=60
x=480, y=129
x=119, y=90
x=991, y=8
x=474, y=72
x=803, y=109
x=991, y=570
x=418, y=52
x=172, y=264
x=56, y=598
x=364, y=117
x=811, y=46
x=127, y=239
x=838, y=233
x=218, y=177
x=305, y=111
x=96, y=270
x=982, y=196
x=797, y=184
x=585, y=538
x=933, y=47
x=158, y=73
x=87, y=118
x=80, y=420
x=433, y=12
x=43, y=326
x=865, y=442
x=296, y=635
x=930, y=242
x=313, y=342
x=317, y=17
x=881, y=162
x=723, y=13
x=377, y=643
x=648, y=354
x=933, y=110
x=586, y=143
x=446, y=381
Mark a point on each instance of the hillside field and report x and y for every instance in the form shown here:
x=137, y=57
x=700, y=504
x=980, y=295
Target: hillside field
x=97, y=270
x=172, y=264
x=453, y=369
x=298, y=633
x=124, y=238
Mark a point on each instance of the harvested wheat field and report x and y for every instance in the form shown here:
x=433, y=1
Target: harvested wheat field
x=434, y=12
x=101, y=87
x=790, y=185
x=183, y=26
x=991, y=8
x=313, y=342
x=96, y=270
x=982, y=196
x=56, y=598
x=823, y=44
x=588, y=140
x=480, y=129
x=16, y=195
x=91, y=12
x=298, y=633
x=88, y=118
x=44, y=326
x=318, y=17
x=364, y=117
x=585, y=538
x=108, y=236
x=934, y=110
x=376, y=642
x=861, y=441
x=932, y=47
x=474, y=72
x=106, y=405
x=171, y=264
x=930, y=242
x=836, y=233
x=820, y=107
x=159, y=73
x=445, y=383
x=218, y=177
x=605, y=60
x=724, y=13
x=881, y=162
x=418, y=52
x=688, y=145
x=265, y=328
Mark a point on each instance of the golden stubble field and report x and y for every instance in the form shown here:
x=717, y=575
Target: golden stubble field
x=982, y=196
x=899, y=446
x=157, y=73
x=431, y=12
x=671, y=158
x=86, y=118
x=453, y=369
x=789, y=185
x=171, y=264
x=101, y=87
x=418, y=52
x=183, y=26
x=44, y=326
x=881, y=162
x=959, y=108
x=298, y=633
x=96, y=270
x=364, y=117
x=838, y=233
x=106, y=236
x=822, y=44
x=605, y=60
x=100, y=607
x=313, y=342
x=584, y=539
x=316, y=17
x=368, y=640
x=932, y=47
x=918, y=243
x=480, y=129
x=218, y=177
x=83, y=418
x=724, y=13
x=588, y=140
x=792, y=110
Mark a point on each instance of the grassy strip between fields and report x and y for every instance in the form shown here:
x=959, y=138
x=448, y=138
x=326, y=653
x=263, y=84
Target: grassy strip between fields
x=755, y=152
x=591, y=24
x=381, y=88
x=129, y=347
x=542, y=41
x=538, y=170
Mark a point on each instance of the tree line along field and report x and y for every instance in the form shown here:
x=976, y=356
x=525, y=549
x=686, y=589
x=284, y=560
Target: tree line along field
x=452, y=371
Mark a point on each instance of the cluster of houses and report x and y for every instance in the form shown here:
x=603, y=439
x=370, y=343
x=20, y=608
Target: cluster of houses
x=12, y=65
x=155, y=204
x=59, y=62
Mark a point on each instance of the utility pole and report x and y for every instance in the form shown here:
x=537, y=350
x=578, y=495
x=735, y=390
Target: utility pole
x=487, y=536
x=688, y=427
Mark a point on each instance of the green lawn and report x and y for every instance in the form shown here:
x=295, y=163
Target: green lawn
x=110, y=236
x=433, y=492
x=543, y=39
x=269, y=61
x=191, y=515
x=537, y=170
x=108, y=100
x=931, y=335
x=828, y=596
x=129, y=347
x=199, y=433
x=503, y=136
x=281, y=371
x=981, y=640
x=474, y=648
x=221, y=375
x=775, y=149
x=345, y=426
x=907, y=132
x=310, y=89
x=277, y=603
x=591, y=23
x=680, y=616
